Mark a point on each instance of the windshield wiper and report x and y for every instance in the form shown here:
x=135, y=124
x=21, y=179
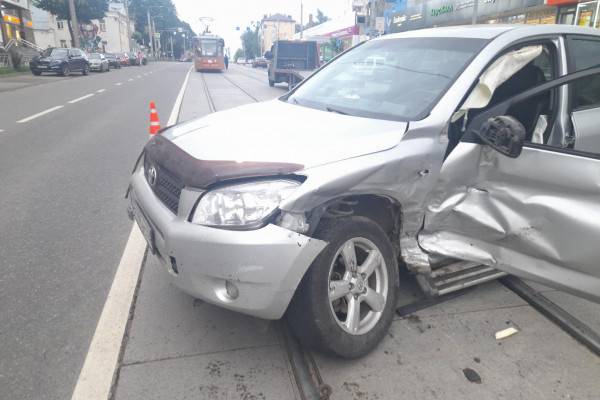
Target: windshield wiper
x=333, y=110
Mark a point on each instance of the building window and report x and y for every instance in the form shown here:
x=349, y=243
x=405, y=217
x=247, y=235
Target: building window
x=60, y=24
x=102, y=26
x=63, y=43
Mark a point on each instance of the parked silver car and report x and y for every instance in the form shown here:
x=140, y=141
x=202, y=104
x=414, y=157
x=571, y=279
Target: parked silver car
x=462, y=153
x=98, y=62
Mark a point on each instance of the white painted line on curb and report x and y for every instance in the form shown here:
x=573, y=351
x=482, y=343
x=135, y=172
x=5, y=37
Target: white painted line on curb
x=98, y=373
x=87, y=96
x=34, y=116
x=118, y=83
x=100, y=90
x=96, y=377
x=177, y=107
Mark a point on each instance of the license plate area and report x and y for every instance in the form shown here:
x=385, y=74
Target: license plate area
x=143, y=224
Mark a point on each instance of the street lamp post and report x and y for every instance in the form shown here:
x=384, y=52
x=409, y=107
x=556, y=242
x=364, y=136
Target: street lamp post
x=475, y=12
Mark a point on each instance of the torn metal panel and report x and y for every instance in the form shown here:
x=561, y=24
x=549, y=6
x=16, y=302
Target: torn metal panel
x=533, y=216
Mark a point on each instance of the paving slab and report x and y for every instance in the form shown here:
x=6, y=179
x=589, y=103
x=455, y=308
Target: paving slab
x=169, y=324
x=254, y=374
x=424, y=357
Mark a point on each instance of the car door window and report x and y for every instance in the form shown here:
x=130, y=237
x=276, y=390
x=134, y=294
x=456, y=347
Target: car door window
x=537, y=114
x=584, y=53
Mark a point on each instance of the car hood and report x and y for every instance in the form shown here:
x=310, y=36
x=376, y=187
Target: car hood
x=279, y=132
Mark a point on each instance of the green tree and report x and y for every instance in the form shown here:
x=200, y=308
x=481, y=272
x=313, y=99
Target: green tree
x=239, y=53
x=250, y=42
x=87, y=10
x=321, y=17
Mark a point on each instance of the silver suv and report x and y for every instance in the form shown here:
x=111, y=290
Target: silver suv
x=458, y=153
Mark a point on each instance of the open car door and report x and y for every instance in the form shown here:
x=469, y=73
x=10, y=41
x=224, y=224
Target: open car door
x=524, y=207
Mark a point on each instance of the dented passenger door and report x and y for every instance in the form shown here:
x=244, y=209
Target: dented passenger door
x=536, y=215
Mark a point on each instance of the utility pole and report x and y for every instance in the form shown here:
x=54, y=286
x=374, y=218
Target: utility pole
x=74, y=23
x=128, y=25
x=301, y=19
x=172, y=54
x=475, y=12
x=150, y=33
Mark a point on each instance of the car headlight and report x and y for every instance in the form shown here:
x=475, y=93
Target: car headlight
x=243, y=205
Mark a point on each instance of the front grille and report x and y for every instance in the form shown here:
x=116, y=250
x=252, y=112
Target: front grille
x=167, y=187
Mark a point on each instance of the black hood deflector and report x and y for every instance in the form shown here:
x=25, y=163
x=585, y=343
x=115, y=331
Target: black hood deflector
x=202, y=174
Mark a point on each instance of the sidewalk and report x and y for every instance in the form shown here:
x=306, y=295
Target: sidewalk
x=21, y=79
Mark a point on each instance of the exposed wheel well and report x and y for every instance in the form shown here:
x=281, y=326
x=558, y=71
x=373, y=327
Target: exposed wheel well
x=383, y=210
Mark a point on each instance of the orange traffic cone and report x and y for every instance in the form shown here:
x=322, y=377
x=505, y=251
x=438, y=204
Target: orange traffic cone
x=154, y=122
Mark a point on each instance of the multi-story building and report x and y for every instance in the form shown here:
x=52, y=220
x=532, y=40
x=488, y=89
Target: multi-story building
x=275, y=27
x=109, y=34
x=15, y=20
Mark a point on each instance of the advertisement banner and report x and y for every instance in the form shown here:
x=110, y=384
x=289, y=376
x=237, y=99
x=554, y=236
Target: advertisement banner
x=443, y=12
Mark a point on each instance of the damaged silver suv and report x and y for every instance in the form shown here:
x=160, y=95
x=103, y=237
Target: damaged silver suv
x=461, y=153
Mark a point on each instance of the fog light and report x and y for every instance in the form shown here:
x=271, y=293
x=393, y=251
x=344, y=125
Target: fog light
x=232, y=290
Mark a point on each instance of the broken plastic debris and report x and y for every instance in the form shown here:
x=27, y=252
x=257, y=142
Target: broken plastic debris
x=503, y=334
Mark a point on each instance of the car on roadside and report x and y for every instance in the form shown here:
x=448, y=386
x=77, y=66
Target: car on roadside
x=123, y=59
x=260, y=62
x=98, y=62
x=240, y=61
x=133, y=59
x=113, y=60
x=60, y=61
x=461, y=154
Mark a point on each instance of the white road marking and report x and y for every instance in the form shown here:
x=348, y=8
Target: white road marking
x=98, y=374
x=34, y=116
x=87, y=96
x=100, y=90
x=139, y=76
x=1, y=130
x=129, y=80
x=175, y=112
x=118, y=83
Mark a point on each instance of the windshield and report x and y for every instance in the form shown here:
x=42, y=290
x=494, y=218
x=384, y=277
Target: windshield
x=58, y=53
x=396, y=79
x=208, y=48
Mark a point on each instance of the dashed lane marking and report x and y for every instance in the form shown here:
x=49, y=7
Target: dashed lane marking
x=34, y=116
x=87, y=96
x=98, y=374
x=100, y=90
x=130, y=79
x=118, y=83
x=139, y=76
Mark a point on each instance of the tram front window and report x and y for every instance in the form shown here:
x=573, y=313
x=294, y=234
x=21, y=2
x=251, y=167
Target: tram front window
x=209, y=48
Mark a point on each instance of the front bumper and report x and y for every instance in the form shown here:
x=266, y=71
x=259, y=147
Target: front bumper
x=45, y=68
x=95, y=67
x=265, y=265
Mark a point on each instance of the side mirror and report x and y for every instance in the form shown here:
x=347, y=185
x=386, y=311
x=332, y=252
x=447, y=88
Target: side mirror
x=504, y=134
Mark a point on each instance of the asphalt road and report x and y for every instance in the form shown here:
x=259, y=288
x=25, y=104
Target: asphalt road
x=63, y=176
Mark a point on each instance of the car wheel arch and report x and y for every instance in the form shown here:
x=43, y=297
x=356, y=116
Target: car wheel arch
x=384, y=210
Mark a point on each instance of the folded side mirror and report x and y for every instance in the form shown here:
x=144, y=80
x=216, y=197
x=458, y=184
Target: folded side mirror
x=504, y=134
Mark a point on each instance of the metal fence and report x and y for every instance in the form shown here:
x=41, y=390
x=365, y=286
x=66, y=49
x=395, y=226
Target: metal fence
x=4, y=62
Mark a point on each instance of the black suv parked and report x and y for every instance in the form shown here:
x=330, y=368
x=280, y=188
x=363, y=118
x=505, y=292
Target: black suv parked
x=113, y=60
x=61, y=61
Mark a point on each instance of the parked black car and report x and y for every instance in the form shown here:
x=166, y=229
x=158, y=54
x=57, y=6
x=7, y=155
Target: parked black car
x=61, y=61
x=133, y=59
x=113, y=60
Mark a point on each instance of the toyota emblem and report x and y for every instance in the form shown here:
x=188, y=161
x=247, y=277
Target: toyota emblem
x=152, y=176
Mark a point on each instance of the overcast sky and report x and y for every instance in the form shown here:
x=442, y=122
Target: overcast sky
x=229, y=14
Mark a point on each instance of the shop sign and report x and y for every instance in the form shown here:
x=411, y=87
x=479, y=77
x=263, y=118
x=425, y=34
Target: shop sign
x=350, y=31
x=11, y=19
x=446, y=9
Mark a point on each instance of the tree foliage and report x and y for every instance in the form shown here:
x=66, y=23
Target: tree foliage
x=87, y=10
x=239, y=53
x=250, y=42
x=166, y=22
x=318, y=20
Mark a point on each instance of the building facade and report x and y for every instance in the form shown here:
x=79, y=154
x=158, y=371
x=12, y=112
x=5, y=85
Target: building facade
x=15, y=21
x=275, y=27
x=108, y=34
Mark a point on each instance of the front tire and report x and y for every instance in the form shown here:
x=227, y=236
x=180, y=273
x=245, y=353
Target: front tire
x=64, y=71
x=345, y=303
x=86, y=70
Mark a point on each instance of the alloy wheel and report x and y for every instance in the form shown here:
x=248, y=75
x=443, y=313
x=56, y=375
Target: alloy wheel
x=358, y=286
